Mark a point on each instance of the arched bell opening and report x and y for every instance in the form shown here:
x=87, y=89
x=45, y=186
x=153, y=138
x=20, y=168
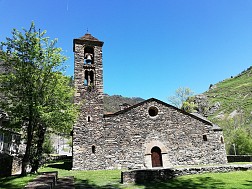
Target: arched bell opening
x=88, y=55
x=86, y=78
x=91, y=73
x=156, y=157
x=89, y=78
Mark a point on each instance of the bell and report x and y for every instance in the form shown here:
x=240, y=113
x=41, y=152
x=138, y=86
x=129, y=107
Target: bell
x=89, y=58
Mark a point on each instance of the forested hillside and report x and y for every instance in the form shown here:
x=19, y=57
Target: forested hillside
x=112, y=103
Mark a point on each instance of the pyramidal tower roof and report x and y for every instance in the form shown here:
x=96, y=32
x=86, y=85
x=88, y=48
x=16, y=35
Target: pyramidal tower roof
x=87, y=39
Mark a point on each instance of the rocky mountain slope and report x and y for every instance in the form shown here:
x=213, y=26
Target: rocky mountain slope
x=228, y=98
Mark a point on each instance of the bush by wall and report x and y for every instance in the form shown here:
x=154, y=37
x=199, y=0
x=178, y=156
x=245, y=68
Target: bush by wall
x=239, y=158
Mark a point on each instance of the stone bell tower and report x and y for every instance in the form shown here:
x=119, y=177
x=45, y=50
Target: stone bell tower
x=88, y=82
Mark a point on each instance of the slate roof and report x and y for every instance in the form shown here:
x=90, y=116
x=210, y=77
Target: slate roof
x=88, y=39
x=195, y=116
x=215, y=127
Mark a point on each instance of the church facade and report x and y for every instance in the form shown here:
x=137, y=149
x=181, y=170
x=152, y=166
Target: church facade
x=146, y=135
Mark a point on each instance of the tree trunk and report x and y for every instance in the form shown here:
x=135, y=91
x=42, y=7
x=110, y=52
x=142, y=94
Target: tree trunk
x=25, y=160
x=39, y=149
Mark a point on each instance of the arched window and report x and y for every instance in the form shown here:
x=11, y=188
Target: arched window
x=222, y=140
x=88, y=78
x=88, y=118
x=156, y=157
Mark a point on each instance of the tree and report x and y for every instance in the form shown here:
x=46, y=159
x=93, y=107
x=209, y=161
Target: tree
x=242, y=142
x=38, y=96
x=189, y=106
x=48, y=145
x=237, y=132
x=181, y=95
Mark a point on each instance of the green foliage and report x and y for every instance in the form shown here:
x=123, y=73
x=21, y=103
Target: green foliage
x=242, y=142
x=38, y=96
x=181, y=95
x=189, y=106
x=70, y=142
x=237, y=133
x=48, y=145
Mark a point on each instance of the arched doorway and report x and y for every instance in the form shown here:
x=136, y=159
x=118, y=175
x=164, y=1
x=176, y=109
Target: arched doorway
x=156, y=157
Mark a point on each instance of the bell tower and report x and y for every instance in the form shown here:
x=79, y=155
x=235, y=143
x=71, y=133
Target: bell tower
x=88, y=82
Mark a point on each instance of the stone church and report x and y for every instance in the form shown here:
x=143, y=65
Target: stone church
x=146, y=135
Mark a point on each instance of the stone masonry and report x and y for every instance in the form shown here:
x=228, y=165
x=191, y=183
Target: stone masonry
x=146, y=135
x=90, y=99
x=154, y=175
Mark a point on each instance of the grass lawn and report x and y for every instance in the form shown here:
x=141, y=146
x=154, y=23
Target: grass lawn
x=15, y=182
x=103, y=179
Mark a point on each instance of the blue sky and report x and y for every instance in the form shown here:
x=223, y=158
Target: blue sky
x=150, y=47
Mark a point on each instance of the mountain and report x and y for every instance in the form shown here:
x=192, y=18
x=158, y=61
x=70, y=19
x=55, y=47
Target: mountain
x=229, y=104
x=112, y=103
x=228, y=98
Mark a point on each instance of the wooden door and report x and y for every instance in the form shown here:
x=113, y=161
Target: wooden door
x=156, y=157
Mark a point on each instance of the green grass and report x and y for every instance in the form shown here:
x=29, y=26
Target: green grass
x=231, y=180
x=102, y=179
x=15, y=182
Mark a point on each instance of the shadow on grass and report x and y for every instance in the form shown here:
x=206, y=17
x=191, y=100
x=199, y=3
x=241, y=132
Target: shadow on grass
x=80, y=184
x=249, y=184
x=197, y=183
x=7, y=182
x=66, y=165
x=14, y=182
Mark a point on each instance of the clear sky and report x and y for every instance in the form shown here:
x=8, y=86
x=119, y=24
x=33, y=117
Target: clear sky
x=150, y=47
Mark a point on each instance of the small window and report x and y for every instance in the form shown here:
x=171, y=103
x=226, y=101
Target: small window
x=93, y=149
x=153, y=111
x=222, y=140
x=88, y=118
x=204, y=137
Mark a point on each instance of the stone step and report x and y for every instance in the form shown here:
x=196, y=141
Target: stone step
x=45, y=180
x=65, y=182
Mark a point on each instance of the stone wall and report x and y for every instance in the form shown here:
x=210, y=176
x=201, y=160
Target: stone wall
x=152, y=175
x=127, y=137
x=9, y=164
x=5, y=165
x=130, y=136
